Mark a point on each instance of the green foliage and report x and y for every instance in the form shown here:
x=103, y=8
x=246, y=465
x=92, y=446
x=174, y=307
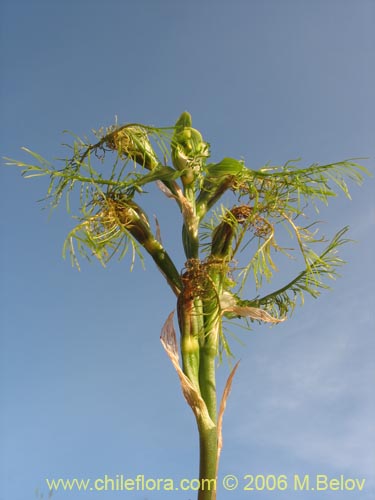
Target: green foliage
x=225, y=246
x=112, y=173
x=312, y=280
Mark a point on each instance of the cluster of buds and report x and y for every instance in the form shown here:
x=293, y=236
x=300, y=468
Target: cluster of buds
x=189, y=151
x=222, y=238
x=133, y=142
x=130, y=216
x=224, y=233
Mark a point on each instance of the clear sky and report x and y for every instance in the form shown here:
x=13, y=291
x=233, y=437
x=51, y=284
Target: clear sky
x=85, y=387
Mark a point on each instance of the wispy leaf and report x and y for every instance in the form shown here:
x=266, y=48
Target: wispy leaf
x=311, y=280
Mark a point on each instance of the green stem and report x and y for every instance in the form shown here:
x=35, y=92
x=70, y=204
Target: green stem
x=190, y=242
x=211, y=192
x=189, y=339
x=198, y=364
x=135, y=221
x=208, y=463
x=164, y=263
x=190, y=237
x=207, y=379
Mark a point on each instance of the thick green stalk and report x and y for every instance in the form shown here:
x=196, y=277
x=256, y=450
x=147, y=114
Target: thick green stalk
x=207, y=380
x=189, y=337
x=208, y=437
x=164, y=263
x=190, y=236
x=207, y=372
x=198, y=350
x=208, y=463
x=217, y=270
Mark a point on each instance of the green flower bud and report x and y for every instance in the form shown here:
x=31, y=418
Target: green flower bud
x=188, y=149
x=133, y=142
x=132, y=218
x=222, y=238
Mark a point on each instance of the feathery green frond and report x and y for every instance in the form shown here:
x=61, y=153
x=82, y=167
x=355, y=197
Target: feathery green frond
x=311, y=280
x=123, y=159
x=278, y=188
x=104, y=233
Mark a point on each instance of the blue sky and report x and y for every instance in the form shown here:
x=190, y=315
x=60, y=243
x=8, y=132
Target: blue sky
x=85, y=386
